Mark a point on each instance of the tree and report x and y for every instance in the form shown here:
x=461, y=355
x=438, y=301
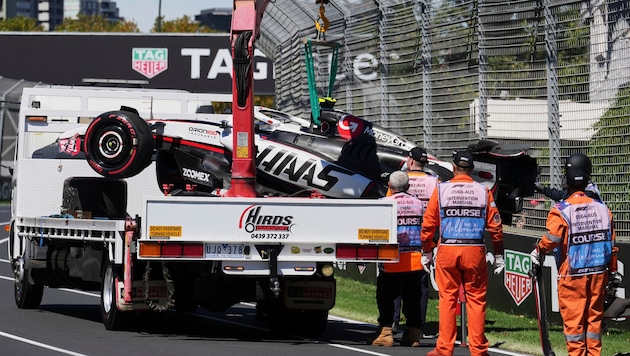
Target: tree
x=608, y=150
x=20, y=24
x=183, y=24
x=95, y=23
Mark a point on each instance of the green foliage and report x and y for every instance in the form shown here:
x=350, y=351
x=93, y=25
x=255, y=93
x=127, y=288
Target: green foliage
x=609, y=150
x=573, y=52
x=184, y=24
x=95, y=23
x=506, y=331
x=355, y=300
x=20, y=24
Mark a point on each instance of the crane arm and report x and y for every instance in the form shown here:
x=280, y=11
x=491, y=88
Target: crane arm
x=245, y=30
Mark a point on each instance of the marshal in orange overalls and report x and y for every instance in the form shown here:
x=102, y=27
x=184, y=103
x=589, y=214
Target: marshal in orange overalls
x=583, y=230
x=463, y=209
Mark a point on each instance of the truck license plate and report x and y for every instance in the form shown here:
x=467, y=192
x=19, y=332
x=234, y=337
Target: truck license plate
x=224, y=251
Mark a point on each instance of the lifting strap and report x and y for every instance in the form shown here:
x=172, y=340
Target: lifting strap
x=310, y=74
x=326, y=102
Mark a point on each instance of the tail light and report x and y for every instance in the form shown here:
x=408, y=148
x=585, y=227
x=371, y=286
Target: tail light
x=376, y=253
x=171, y=249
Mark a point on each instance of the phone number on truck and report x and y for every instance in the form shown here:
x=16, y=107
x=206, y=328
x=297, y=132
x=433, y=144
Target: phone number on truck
x=269, y=236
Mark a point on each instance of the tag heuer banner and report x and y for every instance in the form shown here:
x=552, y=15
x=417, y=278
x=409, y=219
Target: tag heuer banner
x=198, y=63
x=516, y=280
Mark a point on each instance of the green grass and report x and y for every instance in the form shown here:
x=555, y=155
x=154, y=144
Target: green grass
x=518, y=333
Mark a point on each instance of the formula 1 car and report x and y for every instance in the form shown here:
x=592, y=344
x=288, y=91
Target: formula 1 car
x=342, y=157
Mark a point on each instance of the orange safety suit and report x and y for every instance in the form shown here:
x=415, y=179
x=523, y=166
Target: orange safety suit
x=463, y=209
x=583, y=229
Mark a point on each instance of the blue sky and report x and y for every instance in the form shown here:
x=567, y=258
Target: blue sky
x=144, y=12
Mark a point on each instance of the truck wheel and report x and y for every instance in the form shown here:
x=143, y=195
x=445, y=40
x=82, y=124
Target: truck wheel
x=312, y=322
x=27, y=296
x=184, y=300
x=283, y=321
x=278, y=318
x=113, y=318
x=118, y=144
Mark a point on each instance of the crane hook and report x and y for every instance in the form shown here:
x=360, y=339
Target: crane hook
x=322, y=16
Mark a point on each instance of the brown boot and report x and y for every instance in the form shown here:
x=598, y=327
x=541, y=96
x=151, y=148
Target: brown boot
x=384, y=337
x=411, y=337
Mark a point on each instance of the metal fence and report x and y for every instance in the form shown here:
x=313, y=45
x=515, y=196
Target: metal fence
x=552, y=74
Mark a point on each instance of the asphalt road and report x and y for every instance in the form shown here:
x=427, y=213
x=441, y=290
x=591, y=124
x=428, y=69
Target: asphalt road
x=68, y=322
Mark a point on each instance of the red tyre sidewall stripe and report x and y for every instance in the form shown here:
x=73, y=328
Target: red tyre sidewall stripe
x=86, y=149
x=134, y=150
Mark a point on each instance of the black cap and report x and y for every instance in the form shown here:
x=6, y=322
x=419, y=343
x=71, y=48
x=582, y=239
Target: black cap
x=463, y=159
x=418, y=154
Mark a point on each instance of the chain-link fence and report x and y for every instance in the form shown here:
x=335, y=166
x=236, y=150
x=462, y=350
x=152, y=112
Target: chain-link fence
x=552, y=74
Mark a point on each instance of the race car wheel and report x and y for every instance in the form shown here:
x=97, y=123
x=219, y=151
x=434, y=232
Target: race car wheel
x=27, y=296
x=118, y=144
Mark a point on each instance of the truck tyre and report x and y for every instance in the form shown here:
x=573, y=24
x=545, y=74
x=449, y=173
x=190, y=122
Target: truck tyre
x=113, y=319
x=184, y=299
x=312, y=322
x=278, y=318
x=118, y=144
x=283, y=321
x=27, y=295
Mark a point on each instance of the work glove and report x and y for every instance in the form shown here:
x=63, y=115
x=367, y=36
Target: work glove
x=539, y=187
x=499, y=264
x=427, y=260
x=535, y=255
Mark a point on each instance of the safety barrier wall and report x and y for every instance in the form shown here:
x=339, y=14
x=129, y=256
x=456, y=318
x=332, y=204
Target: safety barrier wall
x=551, y=74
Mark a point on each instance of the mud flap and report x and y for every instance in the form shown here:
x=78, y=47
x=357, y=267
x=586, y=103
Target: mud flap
x=158, y=293
x=310, y=295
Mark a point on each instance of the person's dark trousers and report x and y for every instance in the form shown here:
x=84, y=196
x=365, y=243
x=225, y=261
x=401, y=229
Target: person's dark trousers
x=424, y=300
x=408, y=285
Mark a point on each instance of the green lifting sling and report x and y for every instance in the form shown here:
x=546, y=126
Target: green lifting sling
x=310, y=74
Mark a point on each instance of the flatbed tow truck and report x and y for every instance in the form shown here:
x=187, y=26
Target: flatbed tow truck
x=91, y=214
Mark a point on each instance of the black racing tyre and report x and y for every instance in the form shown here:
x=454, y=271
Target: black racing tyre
x=118, y=144
x=27, y=296
x=113, y=318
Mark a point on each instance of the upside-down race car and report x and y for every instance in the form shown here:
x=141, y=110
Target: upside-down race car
x=342, y=157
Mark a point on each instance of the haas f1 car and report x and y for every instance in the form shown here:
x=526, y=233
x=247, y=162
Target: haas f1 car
x=342, y=157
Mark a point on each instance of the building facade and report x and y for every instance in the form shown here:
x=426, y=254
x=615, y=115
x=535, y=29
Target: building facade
x=51, y=13
x=219, y=19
